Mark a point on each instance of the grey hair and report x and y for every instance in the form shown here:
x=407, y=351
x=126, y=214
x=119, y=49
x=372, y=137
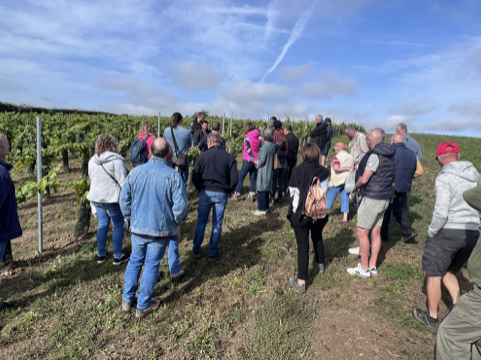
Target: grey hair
x=350, y=128
x=267, y=135
x=214, y=138
x=383, y=133
x=402, y=126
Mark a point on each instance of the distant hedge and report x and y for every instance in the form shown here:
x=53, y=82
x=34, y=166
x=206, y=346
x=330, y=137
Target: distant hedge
x=6, y=107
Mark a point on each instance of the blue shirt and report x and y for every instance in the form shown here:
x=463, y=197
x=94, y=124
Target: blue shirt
x=182, y=136
x=412, y=145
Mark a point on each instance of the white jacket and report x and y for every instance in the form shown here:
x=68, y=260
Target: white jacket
x=103, y=188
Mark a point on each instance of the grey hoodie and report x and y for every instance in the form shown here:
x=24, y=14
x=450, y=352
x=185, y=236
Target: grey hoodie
x=104, y=189
x=450, y=210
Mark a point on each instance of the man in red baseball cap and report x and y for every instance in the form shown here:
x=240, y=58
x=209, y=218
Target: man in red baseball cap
x=453, y=232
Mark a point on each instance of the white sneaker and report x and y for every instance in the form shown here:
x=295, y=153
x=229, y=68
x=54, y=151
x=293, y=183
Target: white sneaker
x=355, y=251
x=359, y=271
x=260, y=212
x=373, y=271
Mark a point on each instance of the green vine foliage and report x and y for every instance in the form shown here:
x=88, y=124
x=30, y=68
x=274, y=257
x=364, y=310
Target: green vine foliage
x=31, y=189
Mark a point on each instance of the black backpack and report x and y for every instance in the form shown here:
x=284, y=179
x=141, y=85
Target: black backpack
x=138, y=151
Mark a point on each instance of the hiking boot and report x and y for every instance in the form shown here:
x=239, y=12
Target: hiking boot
x=295, y=284
x=235, y=198
x=424, y=318
x=154, y=305
x=359, y=271
x=178, y=275
x=121, y=260
x=101, y=259
x=260, y=212
x=410, y=239
x=215, y=257
x=373, y=271
x=126, y=306
x=321, y=268
x=250, y=198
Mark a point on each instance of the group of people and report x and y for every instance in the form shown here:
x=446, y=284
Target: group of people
x=376, y=174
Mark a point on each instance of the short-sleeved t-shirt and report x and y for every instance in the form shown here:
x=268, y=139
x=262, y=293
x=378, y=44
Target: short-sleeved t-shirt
x=372, y=163
x=182, y=136
x=336, y=161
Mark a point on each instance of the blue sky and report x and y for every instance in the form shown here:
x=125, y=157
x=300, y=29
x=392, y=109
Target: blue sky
x=370, y=61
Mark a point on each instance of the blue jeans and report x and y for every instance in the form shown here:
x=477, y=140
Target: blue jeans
x=149, y=252
x=3, y=245
x=247, y=167
x=106, y=212
x=279, y=176
x=332, y=194
x=207, y=201
x=174, y=256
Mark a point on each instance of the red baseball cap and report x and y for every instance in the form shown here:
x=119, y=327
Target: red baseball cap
x=443, y=148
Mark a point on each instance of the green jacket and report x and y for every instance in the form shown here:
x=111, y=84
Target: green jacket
x=265, y=165
x=473, y=198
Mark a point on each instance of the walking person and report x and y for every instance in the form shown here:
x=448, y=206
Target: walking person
x=405, y=165
x=374, y=180
x=215, y=177
x=282, y=148
x=459, y=335
x=107, y=175
x=293, y=143
x=155, y=185
x=340, y=167
x=265, y=169
x=453, y=232
x=250, y=156
x=9, y=223
x=180, y=139
x=302, y=225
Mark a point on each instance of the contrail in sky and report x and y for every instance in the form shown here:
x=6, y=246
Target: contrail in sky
x=296, y=32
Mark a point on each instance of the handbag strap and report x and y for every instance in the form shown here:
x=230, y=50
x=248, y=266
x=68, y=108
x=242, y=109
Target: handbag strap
x=109, y=174
x=175, y=142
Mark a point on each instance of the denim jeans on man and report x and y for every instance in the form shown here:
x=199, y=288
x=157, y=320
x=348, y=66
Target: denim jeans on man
x=173, y=255
x=247, y=167
x=210, y=200
x=332, y=194
x=107, y=212
x=149, y=251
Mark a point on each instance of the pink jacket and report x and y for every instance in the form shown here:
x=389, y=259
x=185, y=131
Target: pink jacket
x=253, y=144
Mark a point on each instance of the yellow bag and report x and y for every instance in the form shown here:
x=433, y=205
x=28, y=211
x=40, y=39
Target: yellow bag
x=419, y=169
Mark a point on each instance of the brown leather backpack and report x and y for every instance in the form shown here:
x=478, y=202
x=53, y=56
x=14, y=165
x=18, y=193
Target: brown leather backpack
x=315, y=202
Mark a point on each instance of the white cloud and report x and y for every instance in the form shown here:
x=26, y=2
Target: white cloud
x=246, y=92
x=467, y=109
x=329, y=83
x=389, y=124
x=194, y=76
x=454, y=125
x=413, y=107
x=292, y=74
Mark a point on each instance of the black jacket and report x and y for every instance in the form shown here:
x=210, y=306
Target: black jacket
x=194, y=127
x=199, y=135
x=405, y=164
x=293, y=142
x=9, y=223
x=203, y=144
x=319, y=135
x=301, y=179
x=379, y=186
x=215, y=170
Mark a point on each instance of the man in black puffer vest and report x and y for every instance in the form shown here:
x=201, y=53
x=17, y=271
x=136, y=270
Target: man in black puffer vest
x=374, y=179
x=405, y=164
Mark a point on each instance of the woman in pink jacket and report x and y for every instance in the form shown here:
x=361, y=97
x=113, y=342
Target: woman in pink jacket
x=251, y=150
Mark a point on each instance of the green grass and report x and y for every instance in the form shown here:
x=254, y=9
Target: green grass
x=66, y=306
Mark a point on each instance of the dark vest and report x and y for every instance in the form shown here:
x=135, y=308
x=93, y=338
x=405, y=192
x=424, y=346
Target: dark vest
x=379, y=186
x=405, y=164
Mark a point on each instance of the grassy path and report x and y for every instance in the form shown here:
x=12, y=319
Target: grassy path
x=68, y=307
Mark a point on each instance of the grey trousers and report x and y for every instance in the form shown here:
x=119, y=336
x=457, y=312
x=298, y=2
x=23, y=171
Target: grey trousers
x=459, y=335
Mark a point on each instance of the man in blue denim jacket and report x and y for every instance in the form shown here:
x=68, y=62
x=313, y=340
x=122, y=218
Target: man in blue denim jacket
x=215, y=177
x=155, y=200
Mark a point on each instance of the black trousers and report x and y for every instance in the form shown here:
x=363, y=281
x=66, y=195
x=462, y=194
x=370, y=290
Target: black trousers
x=302, y=237
x=400, y=215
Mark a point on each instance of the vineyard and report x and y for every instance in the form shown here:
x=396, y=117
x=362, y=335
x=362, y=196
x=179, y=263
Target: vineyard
x=73, y=135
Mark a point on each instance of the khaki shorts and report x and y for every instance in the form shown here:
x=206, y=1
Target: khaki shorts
x=371, y=213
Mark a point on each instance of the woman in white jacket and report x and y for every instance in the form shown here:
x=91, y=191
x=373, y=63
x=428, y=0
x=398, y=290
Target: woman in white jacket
x=107, y=174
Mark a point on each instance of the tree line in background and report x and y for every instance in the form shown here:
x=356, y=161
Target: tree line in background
x=68, y=134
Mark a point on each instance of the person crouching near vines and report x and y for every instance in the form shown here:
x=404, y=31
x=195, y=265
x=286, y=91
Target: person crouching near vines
x=9, y=223
x=107, y=174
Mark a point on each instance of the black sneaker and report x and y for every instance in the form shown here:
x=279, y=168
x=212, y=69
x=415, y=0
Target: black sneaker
x=3, y=306
x=410, y=239
x=101, y=259
x=295, y=284
x=215, y=257
x=122, y=259
x=424, y=318
x=196, y=254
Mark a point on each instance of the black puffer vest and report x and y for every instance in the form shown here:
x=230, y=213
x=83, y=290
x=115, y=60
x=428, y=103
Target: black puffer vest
x=379, y=186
